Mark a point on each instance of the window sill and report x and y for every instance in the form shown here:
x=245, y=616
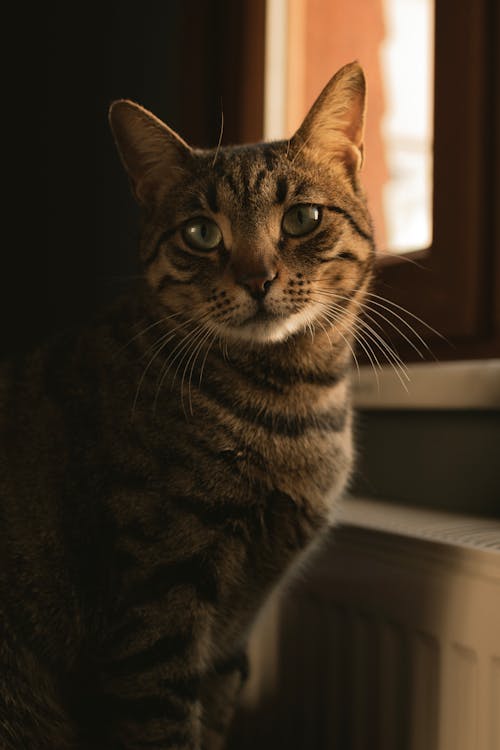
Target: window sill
x=443, y=528
x=445, y=385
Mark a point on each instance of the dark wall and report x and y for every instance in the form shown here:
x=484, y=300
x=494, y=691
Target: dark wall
x=75, y=223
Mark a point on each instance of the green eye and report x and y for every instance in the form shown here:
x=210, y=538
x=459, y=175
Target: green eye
x=301, y=219
x=202, y=234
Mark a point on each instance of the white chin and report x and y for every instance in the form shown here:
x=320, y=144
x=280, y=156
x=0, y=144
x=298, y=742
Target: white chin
x=269, y=331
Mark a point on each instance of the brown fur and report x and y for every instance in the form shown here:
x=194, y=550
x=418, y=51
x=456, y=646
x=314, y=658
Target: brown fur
x=166, y=467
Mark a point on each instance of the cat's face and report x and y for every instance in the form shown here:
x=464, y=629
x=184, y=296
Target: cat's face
x=256, y=243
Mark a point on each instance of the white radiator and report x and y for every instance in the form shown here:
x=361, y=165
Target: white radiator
x=390, y=642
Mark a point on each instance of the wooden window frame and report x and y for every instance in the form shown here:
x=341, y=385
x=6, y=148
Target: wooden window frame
x=222, y=59
x=454, y=286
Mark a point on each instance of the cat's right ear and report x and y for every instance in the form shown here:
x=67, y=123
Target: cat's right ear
x=333, y=128
x=150, y=151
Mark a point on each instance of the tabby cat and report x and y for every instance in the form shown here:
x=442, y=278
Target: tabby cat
x=164, y=468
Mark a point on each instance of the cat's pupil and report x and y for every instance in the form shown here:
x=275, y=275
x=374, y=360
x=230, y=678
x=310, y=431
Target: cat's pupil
x=202, y=234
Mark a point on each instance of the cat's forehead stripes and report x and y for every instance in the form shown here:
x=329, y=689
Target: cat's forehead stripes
x=270, y=156
x=212, y=197
x=240, y=180
x=281, y=189
x=261, y=174
x=250, y=176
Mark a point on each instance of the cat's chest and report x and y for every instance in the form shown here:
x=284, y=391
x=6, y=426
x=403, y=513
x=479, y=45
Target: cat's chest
x=300, y=444
x=230, y=508
x=257, y=476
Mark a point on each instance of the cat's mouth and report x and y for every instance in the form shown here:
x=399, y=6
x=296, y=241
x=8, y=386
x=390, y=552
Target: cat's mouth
x=263, y=316
x=266, y=326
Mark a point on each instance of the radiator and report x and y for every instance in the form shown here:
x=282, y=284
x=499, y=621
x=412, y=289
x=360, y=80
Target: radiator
x=390, y=640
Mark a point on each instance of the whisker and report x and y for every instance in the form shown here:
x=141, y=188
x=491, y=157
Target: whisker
x=206, y=355
x=400, y=257
x=372, y=357
x=186, y=357
x=302, y=145
x=197, y=347
x=148, y=328
x=368, y=350
x=384, y=346
x=172, y=357
x=360, y=339
x=325, y=332
x=179, y=351
x=192, y=359
x=355, y=359
x=192, y=339
x=156, y=349
x=145, y=371
x=331, y=319
x=310, y=329
x=412, y=315
x=390, y=355
x=169, y=334
x=367, y=306
x=405, y=310
x=220, y=136
x=211, y=336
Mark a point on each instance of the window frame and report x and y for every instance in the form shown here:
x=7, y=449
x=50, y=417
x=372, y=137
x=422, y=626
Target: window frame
x=454, y=285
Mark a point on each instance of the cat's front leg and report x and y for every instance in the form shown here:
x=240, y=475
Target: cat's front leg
x=163, y=721
x=220, y=692
x=151, y=687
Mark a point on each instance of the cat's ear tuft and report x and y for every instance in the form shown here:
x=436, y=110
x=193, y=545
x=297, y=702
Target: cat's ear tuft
x=150, y=151
x=334, y=126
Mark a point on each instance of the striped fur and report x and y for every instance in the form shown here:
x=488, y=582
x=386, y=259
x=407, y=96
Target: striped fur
x=164, y=469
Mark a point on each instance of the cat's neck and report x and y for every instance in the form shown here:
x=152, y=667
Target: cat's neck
x=321, y=355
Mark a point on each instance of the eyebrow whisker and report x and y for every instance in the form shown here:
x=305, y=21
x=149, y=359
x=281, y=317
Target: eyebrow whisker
x=220, y=137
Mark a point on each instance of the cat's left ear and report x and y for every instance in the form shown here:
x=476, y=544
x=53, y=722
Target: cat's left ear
x=334, y=126
x=150, y=151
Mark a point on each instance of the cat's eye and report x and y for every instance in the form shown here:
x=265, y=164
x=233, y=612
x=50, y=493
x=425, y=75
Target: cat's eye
x=301, y=219
x=202, y=234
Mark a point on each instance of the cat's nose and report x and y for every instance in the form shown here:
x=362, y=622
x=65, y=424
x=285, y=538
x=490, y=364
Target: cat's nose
x=258, y=286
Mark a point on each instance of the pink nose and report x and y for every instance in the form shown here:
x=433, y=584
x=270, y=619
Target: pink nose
x=258, y=286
